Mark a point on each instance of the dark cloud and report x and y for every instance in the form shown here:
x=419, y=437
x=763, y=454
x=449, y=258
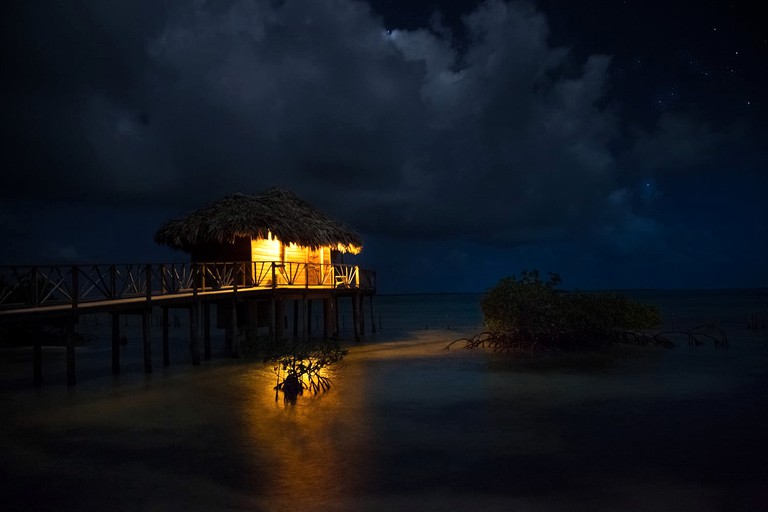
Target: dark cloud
x=396, y=131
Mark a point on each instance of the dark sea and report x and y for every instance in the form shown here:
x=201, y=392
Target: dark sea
x=407, y=425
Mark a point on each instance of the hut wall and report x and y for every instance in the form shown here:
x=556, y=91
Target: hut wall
x=265, y=250
x=273, y=250
x=295, y=254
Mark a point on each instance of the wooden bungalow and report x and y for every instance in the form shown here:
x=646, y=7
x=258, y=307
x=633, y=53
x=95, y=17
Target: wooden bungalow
x=273, y=226
x=286, y=245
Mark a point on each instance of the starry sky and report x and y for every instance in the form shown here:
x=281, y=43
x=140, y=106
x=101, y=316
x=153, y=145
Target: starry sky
x=619, y=143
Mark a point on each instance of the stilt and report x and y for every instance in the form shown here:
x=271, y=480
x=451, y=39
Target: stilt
x=305, y=320
x=236, y=350
x=194, y=332
x=295, y=318
x=37, y=363
x=308, y=318
x=356, y=316
x=71, y=380
x=145, y=333
x=328, y=317
x=361, y=312
x=115, y=343
x=336, y=316
x=166, y=347
x=373, y=318
x=279, y=319
x=207, y=331
x=272, y=318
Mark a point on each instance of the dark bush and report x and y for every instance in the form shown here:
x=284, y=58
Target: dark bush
x=531, y=310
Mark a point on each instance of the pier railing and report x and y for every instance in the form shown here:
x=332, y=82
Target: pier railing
x=37, y=286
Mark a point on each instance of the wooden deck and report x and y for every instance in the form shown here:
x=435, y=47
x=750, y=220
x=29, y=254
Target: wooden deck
x=59, y=289
x=60, y=293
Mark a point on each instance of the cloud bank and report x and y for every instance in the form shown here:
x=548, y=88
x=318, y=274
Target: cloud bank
x=399, y=133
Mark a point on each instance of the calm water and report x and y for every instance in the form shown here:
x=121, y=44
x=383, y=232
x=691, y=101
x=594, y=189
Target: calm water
x=407, y=424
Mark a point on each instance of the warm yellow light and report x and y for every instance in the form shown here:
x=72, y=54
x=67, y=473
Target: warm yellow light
x=352, y=249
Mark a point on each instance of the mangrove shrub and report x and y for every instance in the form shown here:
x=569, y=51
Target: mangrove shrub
x=530, y=309
x=301, y=366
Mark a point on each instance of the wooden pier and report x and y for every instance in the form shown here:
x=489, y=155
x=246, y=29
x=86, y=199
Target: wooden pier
x=244, y=293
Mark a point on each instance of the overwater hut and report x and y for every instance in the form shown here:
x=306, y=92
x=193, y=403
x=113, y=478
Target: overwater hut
x=273, y=226
x=287, y=246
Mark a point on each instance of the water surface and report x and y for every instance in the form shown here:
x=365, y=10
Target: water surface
x=407, y=426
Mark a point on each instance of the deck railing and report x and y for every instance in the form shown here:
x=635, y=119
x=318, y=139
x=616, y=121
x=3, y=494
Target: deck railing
x=23, y=287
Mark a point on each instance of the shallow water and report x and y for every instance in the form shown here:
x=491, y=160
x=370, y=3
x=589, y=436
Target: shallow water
x=406, y=426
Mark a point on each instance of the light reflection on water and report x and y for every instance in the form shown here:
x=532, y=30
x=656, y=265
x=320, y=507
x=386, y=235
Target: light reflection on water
x=310, y=450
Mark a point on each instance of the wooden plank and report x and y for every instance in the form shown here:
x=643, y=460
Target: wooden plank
x=328, y=317
x=279, y=319
x=37, y=363
x=271, y=317
x=166, y=344
x=115, y=343
x=147, y=341
x=207, y=331
x=296, y=318
x=361, y=298
x=235, y=338
x=71, y=380
x=194, y=333
x=356, y=316
x=373, y=318
x=336, y=315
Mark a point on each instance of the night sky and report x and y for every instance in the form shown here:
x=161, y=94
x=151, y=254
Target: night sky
x=620, y=143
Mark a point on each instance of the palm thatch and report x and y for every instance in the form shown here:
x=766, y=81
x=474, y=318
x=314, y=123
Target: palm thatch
x=276, y=211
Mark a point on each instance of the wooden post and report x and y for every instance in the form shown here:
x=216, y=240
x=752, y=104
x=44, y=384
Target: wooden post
x=274, y=276
x=207, y=331
x=328, y=317
x=166, y=347
x=235, y=348
x=336, y=315
x=279, y=324
x=295, y=318
x=115, y=343
x=361, y=310
x=35, y=286
x=112, y=282
x=234, y=342
x=37, y=363
x=356, y=316
x=373, y=318
x=75, y=291
x=308, y=319
x=271, y=317
x=70, y=332
x=148, y=280
x=71, y=380
x=305, y=320
x=194, y=332
x=145, y=333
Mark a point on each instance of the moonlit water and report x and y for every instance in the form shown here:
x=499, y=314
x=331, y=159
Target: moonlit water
x=407, y=425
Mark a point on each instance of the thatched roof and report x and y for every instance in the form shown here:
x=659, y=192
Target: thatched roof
x=277, y=211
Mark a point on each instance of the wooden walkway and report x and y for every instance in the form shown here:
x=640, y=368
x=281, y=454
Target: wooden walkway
x=58, y=293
